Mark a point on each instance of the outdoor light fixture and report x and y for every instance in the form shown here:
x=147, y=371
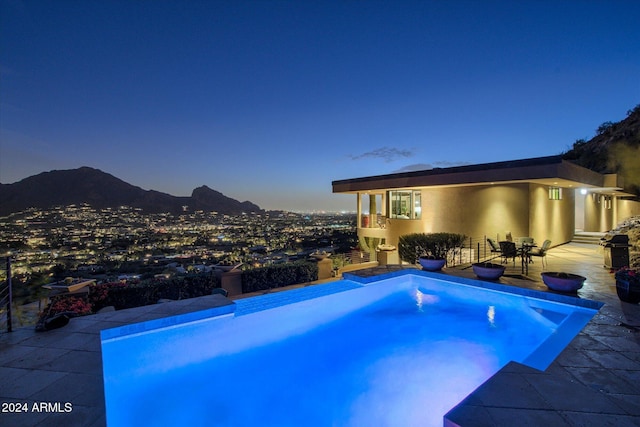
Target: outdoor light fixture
x=583, y=191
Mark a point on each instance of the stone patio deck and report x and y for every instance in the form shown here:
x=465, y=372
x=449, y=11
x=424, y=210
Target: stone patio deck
x=594, y=381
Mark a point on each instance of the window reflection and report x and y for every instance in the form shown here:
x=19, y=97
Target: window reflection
x=405, y=204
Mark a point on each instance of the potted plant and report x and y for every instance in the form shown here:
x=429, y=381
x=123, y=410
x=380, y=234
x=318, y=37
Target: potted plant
x=430, y=250
x=488, y=270
x=563, y=282
x=628, y=285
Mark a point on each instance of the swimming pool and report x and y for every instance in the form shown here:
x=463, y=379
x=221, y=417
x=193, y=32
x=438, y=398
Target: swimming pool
x=398, y=351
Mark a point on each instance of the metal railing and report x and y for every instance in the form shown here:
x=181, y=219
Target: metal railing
x=6, y=299
x=354, y=257
x=475, y=249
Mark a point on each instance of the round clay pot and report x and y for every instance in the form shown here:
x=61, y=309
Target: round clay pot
x=563, y=282
x=627, y=291
x=488, y=270
x=432, y=264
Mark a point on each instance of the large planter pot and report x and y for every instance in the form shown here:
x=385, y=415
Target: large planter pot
x=488, y=270
x=563, y=282
x=432, y=264
x=628, y=291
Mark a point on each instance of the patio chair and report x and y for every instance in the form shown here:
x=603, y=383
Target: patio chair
x=508, y=250
x=541, y=251
x=520, y=241
x=495, y=248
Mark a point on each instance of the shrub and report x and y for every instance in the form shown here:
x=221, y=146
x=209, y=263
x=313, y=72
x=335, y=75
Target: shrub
x=626, y=274
x=277, y=276
x=150, y=291
x=99, y=294
x=70, y=305
x=437, y=245
x=605, y=127
x=73, y=304
x=121, y=295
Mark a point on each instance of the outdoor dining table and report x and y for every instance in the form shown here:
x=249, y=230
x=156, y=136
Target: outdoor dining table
x=525, y=254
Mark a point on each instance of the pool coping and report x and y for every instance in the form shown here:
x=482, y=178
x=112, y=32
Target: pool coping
x=165, y=322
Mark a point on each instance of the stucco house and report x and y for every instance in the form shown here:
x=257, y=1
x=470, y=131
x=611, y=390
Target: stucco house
x=543, y=198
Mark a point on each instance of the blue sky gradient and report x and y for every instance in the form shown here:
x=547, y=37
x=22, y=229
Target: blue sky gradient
x=270, y=101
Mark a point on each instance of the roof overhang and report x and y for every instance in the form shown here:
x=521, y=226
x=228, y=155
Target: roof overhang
x=552, y=171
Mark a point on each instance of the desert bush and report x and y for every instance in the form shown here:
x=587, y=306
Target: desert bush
x=276, y=276
x=437, y=245
x=150, y=291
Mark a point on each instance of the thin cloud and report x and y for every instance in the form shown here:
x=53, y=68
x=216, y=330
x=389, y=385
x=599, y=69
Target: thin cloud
x=388, y=154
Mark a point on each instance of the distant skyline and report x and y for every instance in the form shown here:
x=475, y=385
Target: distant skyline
x=270, y=101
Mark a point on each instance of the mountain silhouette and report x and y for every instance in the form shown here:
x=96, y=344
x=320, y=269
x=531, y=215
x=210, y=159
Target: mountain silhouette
x=102, y=190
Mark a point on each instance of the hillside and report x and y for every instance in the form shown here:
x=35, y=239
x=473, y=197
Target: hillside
x=101, y=190
x=614, y=149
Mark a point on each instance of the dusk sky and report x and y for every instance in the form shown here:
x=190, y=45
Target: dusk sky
x=269, y=101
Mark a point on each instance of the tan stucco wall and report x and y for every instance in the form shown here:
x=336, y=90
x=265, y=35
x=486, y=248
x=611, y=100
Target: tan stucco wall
x=597, y=217
x=551, y=219
x=477, y=212
x=398, y=227
x=492, y=211
x=626, y=209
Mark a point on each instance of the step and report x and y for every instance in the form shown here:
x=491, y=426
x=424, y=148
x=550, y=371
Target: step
x=591, y=238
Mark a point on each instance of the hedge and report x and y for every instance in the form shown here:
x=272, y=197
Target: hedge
x=149, y=292
x=438, y=245
x=276, y=276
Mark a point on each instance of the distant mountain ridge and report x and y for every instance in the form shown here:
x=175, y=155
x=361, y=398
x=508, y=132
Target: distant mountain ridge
x=102, y=190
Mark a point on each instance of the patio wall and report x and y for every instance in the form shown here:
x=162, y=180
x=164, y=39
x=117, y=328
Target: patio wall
x=551, y=219
x=626, y=209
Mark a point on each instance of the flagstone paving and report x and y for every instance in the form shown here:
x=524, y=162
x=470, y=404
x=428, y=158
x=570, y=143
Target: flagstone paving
x=594, y=381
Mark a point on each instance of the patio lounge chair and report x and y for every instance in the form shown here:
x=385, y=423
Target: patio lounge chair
x=541, y=251
x=495, y=248
x=508, y=250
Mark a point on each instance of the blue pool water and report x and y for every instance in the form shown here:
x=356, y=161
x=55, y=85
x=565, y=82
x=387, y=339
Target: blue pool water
x=395, y=352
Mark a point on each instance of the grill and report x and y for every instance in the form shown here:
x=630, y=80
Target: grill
x=616, y=250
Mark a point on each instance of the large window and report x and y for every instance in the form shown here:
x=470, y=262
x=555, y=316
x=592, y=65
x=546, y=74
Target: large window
x=555, y=193
x=405, y=204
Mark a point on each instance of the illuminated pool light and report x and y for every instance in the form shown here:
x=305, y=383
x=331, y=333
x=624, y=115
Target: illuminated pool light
x=400, y=351
x=491, y=316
